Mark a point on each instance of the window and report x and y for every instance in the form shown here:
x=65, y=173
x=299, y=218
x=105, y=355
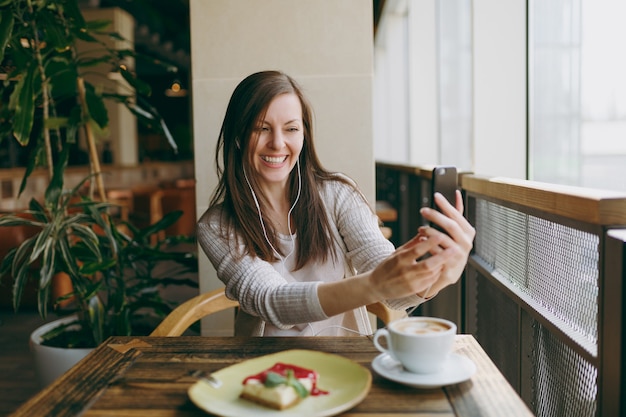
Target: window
x=423, y=83
x=577, y=92
x=454, y=70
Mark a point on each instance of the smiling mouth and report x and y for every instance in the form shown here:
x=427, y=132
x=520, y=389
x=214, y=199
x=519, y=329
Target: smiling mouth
x=274, y=159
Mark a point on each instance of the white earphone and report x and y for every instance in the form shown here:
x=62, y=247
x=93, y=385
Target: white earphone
x=258, y=207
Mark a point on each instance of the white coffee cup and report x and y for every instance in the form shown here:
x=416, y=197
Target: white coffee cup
x=420, y=344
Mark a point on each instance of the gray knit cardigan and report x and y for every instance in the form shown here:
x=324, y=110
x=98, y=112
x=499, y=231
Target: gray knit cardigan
x=267, y=296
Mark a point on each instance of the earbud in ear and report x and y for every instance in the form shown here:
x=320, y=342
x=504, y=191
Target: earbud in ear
x=237, y=144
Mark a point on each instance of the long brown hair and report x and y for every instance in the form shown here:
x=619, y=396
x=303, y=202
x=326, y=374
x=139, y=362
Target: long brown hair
x=248, y=104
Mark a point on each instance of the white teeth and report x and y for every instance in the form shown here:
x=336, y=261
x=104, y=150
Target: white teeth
x=274, y=159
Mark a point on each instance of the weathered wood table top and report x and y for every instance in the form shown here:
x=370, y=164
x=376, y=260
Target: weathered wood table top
x=149, y=376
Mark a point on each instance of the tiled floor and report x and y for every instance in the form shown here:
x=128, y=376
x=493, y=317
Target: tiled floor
x=17, y=374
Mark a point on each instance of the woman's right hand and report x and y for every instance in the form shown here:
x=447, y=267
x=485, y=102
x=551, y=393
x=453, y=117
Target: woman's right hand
x=405, y=273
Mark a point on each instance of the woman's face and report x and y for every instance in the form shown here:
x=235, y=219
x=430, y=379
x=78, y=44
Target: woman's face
x=279, y=141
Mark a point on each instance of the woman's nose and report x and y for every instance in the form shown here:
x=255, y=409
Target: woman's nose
x=277, y=141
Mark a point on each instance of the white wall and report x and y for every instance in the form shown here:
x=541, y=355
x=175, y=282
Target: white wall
x=324, y=44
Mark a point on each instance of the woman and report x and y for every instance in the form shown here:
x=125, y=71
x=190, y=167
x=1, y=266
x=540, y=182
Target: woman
x=298, y=246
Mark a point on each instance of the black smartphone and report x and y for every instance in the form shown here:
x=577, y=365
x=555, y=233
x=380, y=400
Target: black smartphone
x=444, y=181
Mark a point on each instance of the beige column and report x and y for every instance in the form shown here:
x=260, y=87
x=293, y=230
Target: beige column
x=122, y=132
x=324, y=44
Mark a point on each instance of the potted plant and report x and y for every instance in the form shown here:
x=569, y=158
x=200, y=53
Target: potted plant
x=114, y=274
x=117, y=277
x=46, y=101
x=46, y=98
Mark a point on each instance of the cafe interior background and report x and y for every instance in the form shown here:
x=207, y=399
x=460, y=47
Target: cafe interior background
x=526, y=89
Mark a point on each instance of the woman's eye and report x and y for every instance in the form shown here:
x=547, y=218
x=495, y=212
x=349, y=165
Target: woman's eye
x=293, y=129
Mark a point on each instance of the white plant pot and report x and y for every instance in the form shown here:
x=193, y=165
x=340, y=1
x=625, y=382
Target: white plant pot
x=52, y=362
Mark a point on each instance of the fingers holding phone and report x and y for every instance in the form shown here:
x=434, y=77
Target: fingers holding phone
x=444, y=182
x=445, y=213
x=450, y=220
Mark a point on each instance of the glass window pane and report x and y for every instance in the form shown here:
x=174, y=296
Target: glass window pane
x=577, y=100
x=454, y=69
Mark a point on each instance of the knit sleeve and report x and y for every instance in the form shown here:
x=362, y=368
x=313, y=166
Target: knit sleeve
x=358, y=227
x=260, y=290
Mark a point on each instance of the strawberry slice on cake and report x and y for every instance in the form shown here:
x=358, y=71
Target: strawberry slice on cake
x=281, y=386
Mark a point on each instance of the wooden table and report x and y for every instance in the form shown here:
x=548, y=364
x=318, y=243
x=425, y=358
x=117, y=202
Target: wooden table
x=148, y=376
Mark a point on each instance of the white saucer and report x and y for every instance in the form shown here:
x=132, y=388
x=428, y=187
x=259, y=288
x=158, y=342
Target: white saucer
x=458, y=368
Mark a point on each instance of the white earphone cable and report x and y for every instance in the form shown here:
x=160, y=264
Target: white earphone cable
x=258, y=207
x=283, y=259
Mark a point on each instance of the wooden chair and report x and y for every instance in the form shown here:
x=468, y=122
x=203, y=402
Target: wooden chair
x=211, y=302
x=122, y=197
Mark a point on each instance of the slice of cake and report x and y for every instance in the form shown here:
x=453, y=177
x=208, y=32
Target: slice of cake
x=281, y=386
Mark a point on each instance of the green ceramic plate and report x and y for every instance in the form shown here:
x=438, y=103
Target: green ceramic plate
x=346, y=381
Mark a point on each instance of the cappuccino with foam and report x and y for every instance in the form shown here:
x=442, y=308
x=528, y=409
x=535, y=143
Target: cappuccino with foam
x=420, y=327
x=421, y=344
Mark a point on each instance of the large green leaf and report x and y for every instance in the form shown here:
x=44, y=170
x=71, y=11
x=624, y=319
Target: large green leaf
x=6, y=28
x=97, y=109
x=74, y=124
x=22, y=255
x=120, y=297
x=83, y=35
x=150, y=116
x=97, y=25
x=56, y=122
x=19, y=268
x=62, y=72
x=55, y=187
x=69, y=260
x=37, y=211
x=168, y=135
x=54, y=33
x=20, y=278
x=165, y=222
x=141, y=87
x=143, y=116
x=92, y=61
x=73, y=13
x=87, y=237
x=116, y=36
x=43, y=295
x=91, y=287
x=48, y=264
x=8, y=220
x=7, y=261
x=24, y=107
x=44, y=240
x=96, y=318
x=90, y=268
x=148, y=60
x=31, y=164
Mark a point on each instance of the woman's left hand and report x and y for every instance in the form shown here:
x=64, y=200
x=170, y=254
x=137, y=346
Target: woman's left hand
x=456, y=243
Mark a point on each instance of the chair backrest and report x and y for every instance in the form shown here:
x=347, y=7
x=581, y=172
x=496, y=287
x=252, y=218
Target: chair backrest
x=211, y=302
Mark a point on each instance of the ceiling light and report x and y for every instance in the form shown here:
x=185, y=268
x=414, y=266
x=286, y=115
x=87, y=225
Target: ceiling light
x=176, y=90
